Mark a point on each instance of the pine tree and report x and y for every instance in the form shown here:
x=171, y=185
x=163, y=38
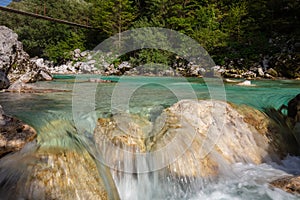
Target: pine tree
x=114, y=16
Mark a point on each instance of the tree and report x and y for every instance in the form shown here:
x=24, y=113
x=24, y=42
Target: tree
x=113, y=16
x=47, y=39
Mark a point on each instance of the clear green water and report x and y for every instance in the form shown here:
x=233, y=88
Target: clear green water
x=152, y=92
x=151, y=95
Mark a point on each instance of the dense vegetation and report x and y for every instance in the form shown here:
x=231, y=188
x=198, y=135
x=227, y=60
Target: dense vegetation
x=237, y=31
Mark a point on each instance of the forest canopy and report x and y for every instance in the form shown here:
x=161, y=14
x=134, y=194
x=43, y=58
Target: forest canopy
x=228, y=30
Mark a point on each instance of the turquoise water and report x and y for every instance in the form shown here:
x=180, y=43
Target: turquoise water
x=148, y=96
x=150, y=93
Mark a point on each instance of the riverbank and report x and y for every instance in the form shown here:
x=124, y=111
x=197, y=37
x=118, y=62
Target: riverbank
x=18, y=69
x=95, y=63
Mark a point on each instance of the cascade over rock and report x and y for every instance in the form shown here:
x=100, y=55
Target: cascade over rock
x=222, y=136
x=58, y=167
x=119, y=137
x=54, y=174
x=207, y=135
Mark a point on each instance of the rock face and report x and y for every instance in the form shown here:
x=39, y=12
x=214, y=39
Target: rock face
x=196, y=138
x=14, y=134
x=289, y=184
x=15, y=62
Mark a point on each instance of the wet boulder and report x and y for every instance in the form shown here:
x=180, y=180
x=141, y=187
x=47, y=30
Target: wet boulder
x=120, y=138
x=14, y=134
x=55, y=174
x=192, y=139
x=211, y=135
x=289, y=184
x=58, y=166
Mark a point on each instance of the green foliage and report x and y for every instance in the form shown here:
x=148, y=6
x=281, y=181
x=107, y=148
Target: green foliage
x=62, y=48
x=113, y=16
x=210, y=39
x=225, y=28
x=233, y=23
x=48, y=39
x=152, y=57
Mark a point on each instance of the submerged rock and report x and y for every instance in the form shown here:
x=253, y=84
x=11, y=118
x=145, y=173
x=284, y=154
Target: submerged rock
x=14, y=134
x=245, y=83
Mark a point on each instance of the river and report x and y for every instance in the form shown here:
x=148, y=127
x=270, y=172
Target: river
x=148, y=96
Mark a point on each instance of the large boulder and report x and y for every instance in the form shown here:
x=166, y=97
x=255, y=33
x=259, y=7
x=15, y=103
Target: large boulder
x=193, y=138
x=14, y=61
x=220, y=134
x=55, y=174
